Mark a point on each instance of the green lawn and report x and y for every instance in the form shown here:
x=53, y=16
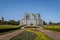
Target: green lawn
x=31, y=35
x=52, y=27
x=8, y=28
x=40, y=35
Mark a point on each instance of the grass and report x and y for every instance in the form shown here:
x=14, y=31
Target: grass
x=8, y=28
x=31, y=27
x=25, y=36
x=31, y=35
x=40, y=35
x=52, y=27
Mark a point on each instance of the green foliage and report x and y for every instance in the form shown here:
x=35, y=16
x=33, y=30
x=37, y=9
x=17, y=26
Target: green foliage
x=10, y=22
x=50, y=23
x=52, y=27
x=30, y=34
x=7, y=28
x=44, y=23
x=31, y=27
x=25, y=36
x=1, y=22
x=40, y=35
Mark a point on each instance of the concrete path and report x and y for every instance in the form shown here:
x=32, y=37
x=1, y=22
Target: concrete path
x=8, y=36
x=52, y=34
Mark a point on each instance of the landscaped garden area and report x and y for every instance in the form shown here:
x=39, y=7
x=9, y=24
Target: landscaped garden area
x=29, y=34
x=8, y=28
x=52, y=27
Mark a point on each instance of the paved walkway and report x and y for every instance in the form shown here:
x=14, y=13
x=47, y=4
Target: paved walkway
x=52, y=34
x=8, y=36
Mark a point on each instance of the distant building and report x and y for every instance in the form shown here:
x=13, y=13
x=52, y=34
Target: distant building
x=1, y=19
x=34, y=19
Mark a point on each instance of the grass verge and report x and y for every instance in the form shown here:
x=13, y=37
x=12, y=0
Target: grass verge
x=52, y=27
x=8, y=28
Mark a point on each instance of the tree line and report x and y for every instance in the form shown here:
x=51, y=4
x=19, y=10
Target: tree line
x=13, y=22
x=10, y=22
x=51, y=23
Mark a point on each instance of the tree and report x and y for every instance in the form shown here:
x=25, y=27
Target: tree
x=50, y=23
x=17, y=22
x=5, y=22
x=1, y=22
x=44, y=23
x=12, y=22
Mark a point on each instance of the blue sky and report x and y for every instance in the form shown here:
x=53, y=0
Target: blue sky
x=14, y=9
